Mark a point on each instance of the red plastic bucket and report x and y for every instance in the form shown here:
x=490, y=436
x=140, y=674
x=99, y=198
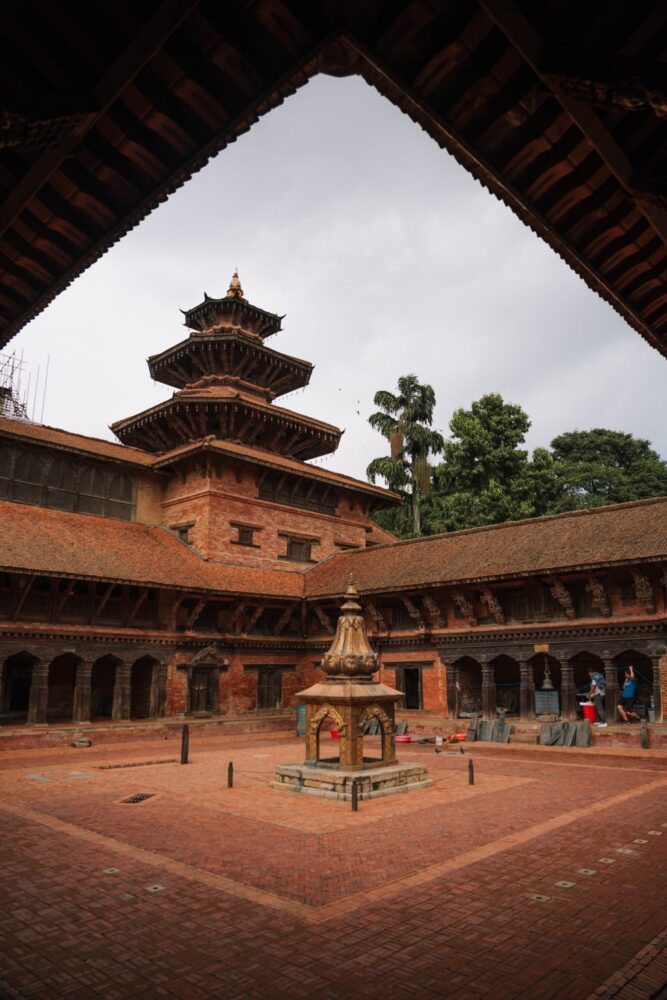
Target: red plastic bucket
x=334, y=734
x=588, y=708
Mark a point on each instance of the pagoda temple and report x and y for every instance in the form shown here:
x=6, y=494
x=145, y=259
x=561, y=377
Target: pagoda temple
x=229, y=454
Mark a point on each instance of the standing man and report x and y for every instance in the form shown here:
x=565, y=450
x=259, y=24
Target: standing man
x=596, y=695
x=628, y=697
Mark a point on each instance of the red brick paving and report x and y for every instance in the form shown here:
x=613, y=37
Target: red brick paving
x=270, y=895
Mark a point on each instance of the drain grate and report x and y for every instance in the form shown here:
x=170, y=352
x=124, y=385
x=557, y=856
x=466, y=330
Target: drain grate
x=141, y=797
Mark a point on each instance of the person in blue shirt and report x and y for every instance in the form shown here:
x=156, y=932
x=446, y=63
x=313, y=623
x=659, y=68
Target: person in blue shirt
x=628, y=697
x=596, y=695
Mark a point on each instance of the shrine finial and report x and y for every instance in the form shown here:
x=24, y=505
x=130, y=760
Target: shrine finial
x=235, y=290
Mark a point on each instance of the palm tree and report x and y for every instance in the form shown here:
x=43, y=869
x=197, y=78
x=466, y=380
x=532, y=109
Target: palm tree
x=405, y=420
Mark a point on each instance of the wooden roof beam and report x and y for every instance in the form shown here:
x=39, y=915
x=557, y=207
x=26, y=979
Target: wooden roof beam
x=141, y=49
x=520, y=33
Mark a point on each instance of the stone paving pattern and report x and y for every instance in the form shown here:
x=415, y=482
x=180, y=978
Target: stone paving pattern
x=450, y=891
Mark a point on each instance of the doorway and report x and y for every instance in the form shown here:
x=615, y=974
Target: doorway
x=199, y=691
x=410, y=683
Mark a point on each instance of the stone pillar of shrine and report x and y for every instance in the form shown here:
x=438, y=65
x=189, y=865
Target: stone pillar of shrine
x=568, y=703
x=526, y=689
x=611, y=678
x=83, y=691
x=488, y=689
x=39, y=694
x=122, y=692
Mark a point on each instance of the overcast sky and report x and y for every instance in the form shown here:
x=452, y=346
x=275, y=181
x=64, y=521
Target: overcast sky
x=387, y=257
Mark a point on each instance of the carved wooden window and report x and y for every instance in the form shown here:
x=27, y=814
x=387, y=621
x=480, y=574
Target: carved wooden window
x=298, y=549
x=92, y=490
x=245, y=534
x=533, y=603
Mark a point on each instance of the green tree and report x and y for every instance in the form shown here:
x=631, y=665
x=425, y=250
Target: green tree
x=598, y=467
x=405, y=421
x=486, y=476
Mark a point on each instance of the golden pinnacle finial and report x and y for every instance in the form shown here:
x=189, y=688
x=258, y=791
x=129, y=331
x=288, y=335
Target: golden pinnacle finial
x=235, y=291
x=351, y=589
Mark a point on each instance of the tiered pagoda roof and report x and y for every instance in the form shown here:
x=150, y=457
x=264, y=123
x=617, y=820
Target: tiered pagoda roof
x=227, y=380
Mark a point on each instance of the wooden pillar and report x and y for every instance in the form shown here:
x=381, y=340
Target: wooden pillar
x=611, y=678
x=452, y=691
x=657, y=662
x=122, y=692
x=526, y=689
x=83, y=691
x=39, y=694
x=188, y=692
x=488, y=690
x=568, y=705
x=161, y=706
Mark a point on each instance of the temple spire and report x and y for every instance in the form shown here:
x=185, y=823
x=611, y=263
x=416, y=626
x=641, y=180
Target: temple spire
x=235, y=291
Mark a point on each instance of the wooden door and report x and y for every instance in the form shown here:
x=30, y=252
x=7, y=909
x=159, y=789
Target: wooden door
x=199, y=691
x=269, y=689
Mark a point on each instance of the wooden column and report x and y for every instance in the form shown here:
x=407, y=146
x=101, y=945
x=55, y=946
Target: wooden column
x=452, y=691
x=122, y=692
x=161, y=706
x=83, y=691
x=611, y=694
x=488, y=690
x=568, y=705
x=526, y=689
x=39, y=695
x=188, y=692
x=656, y=659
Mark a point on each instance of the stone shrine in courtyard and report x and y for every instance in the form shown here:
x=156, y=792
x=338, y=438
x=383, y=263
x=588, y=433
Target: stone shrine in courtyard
x=351, y=700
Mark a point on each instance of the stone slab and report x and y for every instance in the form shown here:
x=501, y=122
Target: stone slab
x=373, y=783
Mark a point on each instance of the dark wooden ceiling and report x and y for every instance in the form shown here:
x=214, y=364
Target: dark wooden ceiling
x=559, y=108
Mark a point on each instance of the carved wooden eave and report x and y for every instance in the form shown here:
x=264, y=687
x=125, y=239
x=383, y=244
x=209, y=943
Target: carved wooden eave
x=254, y=618
x=464, y=607
x=560, y=593
x=284, y=620
x=413, y=611
x=644, y=591
x=377, y=616
x=323, y=619
x=490, y=601
x=599, y=596
x=435, y=613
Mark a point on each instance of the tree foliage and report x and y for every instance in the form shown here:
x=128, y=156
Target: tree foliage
x=486, y=475
x=405, y=420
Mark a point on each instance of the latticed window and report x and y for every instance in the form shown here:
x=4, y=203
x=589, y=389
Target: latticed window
x=29, y=477
x=61, y=483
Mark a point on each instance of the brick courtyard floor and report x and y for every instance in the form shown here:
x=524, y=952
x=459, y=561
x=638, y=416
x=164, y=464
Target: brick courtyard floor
x=546, y=878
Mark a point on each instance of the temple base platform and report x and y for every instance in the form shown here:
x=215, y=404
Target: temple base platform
x=373, y=783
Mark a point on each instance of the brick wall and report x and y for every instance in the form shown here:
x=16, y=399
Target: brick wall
x=149, y=499
x=434, y=680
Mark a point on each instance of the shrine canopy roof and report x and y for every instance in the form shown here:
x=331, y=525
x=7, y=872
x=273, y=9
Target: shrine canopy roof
x=606, y=536
x=36, y=540
x=557, y=108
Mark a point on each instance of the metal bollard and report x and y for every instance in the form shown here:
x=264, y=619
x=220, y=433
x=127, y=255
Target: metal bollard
x=230, y=775
x=355, y=796
x=643, y=736
x=471, y=773
x=185, y=744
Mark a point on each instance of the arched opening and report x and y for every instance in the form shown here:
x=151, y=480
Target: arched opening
x=508, y=684
x=102, y=687
x=16, y=683
x=581, y=664
x=328, y=749
x=643, y=672
x=62, y=681
x=141, y=690
x=469, y=686
x=546, y=670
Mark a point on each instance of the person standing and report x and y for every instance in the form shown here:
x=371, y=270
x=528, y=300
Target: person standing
x=628, y=696
x=597, y=695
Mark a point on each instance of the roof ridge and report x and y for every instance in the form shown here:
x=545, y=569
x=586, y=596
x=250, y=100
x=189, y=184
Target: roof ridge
x=76, y=434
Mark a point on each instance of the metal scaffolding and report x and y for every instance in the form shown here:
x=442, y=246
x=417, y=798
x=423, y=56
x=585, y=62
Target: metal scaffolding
x=13, y=395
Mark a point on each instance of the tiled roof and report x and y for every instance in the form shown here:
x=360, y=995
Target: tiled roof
x=629, y=532
x=54, y=436
x=276, y=461
x=42, y=541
